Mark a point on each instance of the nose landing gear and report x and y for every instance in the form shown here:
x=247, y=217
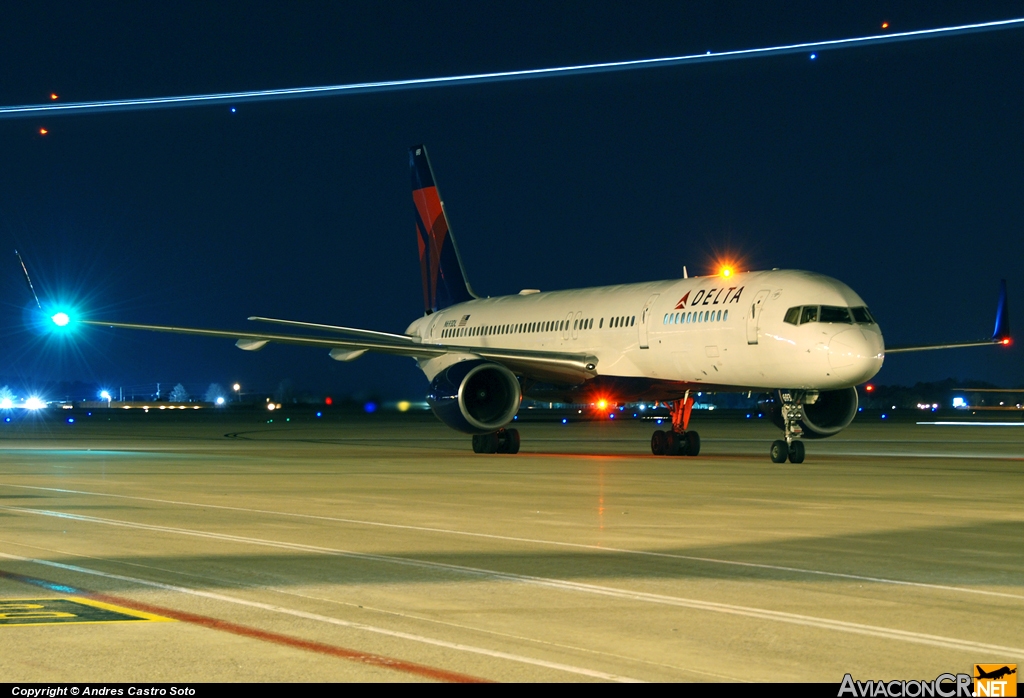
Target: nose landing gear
x=679, y=441
x=792, y=413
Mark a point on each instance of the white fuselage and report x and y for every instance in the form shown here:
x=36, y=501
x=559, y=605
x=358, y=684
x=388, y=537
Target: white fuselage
x=720, y=332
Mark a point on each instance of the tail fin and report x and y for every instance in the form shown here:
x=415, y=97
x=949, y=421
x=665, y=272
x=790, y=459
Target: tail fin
x=444, y=280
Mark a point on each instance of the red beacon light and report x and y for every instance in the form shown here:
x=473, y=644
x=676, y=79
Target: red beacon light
x=868, y=388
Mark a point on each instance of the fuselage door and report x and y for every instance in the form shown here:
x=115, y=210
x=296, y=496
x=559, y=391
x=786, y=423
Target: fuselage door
x=645, y=319
x=755, y=314
x=568, y=327
x=576, y=325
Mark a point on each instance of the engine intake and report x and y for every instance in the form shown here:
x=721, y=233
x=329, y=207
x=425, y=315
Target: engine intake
x=475, y=397
x=827, y=416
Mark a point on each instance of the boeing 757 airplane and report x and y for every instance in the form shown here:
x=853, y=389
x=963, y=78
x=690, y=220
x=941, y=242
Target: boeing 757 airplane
x=803, y=339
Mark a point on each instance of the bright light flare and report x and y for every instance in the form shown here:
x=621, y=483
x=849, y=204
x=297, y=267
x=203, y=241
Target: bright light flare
x=1006, y=341
x=34, y=403
x=61, y=319
x=602, y=404
x=727, y=271
x=6, y=404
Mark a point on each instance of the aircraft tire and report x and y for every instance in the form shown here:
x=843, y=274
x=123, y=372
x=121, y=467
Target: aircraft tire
x=485, y=443
x=673, y=443
x=512, y=441
x=779, y=451
x=658, y=444
x=796, y=452
x=691, y=444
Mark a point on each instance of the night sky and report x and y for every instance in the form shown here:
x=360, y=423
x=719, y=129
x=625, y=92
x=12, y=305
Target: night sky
x=897, y=169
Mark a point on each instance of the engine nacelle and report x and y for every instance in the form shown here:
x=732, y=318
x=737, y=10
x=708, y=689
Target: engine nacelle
x=827, y=416
x=475, y=397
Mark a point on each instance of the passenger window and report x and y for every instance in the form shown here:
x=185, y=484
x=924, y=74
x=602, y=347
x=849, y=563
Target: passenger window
x=832, y=313
x=809, y=314
x=726, y=315
x=600, y=324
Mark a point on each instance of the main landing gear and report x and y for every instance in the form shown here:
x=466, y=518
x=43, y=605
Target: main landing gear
x=792, y=412
x=678, y=441
x=501, y=441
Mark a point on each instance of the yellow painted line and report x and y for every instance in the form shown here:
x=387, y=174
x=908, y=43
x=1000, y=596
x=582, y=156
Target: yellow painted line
x=62, y=614
x=152, y=617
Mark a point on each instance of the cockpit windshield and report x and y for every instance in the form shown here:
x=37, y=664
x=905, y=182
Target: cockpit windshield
x=834, y=314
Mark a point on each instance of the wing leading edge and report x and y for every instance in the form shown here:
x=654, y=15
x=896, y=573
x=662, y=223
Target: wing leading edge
x=549, y=366
x=1000, y=335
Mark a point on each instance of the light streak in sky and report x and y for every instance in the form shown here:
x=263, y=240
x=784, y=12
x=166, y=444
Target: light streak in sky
x=30, y=110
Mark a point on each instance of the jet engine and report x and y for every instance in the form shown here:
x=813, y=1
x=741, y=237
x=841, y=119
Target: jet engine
x=826, y=412
x=475, y=397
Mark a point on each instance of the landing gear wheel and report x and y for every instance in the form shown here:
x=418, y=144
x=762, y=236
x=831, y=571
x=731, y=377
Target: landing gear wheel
x=485, y=443
x=779, y=451
x=658, y=443
x=691, y=443
x=796, y=452
x=511, y=441
x=673, y=443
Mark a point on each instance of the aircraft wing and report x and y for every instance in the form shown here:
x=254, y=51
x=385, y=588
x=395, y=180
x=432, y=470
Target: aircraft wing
x=560, y=367
x=1000, y=335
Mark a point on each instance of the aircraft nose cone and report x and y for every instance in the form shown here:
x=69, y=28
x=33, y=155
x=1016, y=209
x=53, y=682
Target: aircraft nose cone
x=855, y=354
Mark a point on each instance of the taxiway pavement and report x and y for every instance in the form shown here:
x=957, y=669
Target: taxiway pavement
x=381, y=548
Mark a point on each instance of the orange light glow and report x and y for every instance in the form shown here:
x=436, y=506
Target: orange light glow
x=727, y=272
x=885, y=25
x=53, y=95
x=43, y=132
x=602, y=404
x=868, y=388
x=1006, y=341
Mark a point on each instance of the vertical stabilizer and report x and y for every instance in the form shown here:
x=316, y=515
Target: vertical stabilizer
x=444, y=279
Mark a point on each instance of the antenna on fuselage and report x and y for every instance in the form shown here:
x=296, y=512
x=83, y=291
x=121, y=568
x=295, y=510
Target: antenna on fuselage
x=685, y=275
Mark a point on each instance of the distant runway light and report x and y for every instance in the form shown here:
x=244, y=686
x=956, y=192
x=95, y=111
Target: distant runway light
x=885, y=25
x=233, y=110
x=53, y=95
x=813, y=56
x=43, y=132
x=232, y=98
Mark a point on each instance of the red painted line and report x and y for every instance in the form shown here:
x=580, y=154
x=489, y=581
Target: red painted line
x=257, y=634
